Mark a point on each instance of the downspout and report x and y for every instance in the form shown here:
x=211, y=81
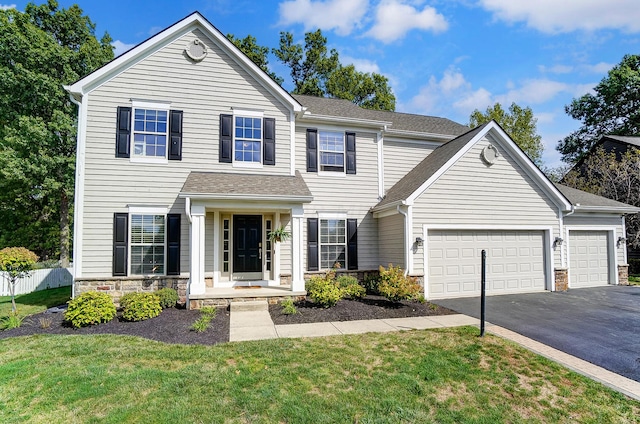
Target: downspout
x=406, y=238
x=76, y=221
x=187, y=208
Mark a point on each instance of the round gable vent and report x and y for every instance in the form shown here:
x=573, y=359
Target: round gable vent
x=490, y=154
x=196, y=50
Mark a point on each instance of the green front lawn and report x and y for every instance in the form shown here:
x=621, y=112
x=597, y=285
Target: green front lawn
x=444, y=376
x=634, y=280
x=38, y=301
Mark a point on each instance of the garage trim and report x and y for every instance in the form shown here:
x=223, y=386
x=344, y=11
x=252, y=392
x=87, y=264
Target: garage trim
x=612, y=257
x=547, y=239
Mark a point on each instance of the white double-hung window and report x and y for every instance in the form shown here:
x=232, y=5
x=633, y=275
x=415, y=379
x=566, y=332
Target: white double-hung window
x=333, y=243
x=150, y=130
x=148, y=241
x=247, y=140
x=331, y=151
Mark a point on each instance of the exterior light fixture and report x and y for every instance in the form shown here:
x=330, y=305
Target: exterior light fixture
x=419, y=241
x=621, y=241
x=558, y=241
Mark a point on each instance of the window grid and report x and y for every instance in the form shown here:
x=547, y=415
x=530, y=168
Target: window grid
x=267, y=225
x=333, y=243
x=147, y=244
x=225, y=245
x=331, y=151
x=248, y=139
x=150, y=133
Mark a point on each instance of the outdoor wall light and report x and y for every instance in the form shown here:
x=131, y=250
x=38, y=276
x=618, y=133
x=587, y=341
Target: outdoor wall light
x=419, y=241
x=558, y=241
x=621, y=241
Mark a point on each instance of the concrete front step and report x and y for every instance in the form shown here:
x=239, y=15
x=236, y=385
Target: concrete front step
x=249, y=306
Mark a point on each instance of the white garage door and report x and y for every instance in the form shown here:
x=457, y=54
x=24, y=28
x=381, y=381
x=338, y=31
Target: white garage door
x=588, y=259
x=515, y=262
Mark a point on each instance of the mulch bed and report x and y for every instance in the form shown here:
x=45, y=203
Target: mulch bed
x=370, y=307
x=171, y=326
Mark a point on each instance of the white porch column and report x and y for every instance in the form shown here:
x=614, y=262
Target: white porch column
x=297, y=258
x=196, y=251
x=216, y=248
x=275, y=260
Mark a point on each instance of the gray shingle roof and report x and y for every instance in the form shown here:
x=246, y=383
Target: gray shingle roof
x=246, y=185
x=400, y=121
x=635, y=141
x=582, y=198
x=408, y=184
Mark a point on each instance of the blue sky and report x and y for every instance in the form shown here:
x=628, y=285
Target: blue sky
x=442, y=57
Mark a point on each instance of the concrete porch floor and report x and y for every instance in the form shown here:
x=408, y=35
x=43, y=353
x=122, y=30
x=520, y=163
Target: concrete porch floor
x=225, y=295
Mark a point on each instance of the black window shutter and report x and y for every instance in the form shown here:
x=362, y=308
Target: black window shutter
x=352, y=244
x=175, y=135
x=120, y=245
x=123, y=132
x=269, y=141
x=226, y=138
x=351, y=152
x=173, y=244
x=312, y=150
x=312, y=244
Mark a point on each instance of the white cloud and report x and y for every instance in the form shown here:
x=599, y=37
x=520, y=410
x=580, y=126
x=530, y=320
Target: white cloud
x=394, y=19
x=362, y=65
x=553, y=16
x=599, y=68
x=339, y=15
x=556, y=69
x=533, y=91
x=121, y=47
x=479, y=99
x=7, y=6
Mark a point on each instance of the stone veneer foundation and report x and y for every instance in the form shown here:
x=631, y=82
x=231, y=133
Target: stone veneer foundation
x=623, y=275
x=562, y=279
x=118, y=286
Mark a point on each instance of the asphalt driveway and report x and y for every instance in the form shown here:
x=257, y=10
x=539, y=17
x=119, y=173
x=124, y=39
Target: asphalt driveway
x=600, y=325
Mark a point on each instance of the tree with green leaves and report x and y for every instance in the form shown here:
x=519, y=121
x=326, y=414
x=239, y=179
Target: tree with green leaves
x=613, y=175
x=317, y=71
x=41, y=49
x=613, y=108
x=16, y=263
x=518, y=122
x=257, y=53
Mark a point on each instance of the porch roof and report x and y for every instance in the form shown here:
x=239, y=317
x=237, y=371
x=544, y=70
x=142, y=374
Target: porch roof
x=224, y=185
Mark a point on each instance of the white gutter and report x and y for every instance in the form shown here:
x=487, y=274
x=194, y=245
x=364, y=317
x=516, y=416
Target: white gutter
x=187, y=208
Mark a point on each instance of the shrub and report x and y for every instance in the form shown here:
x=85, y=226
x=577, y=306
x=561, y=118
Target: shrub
x=168, y=297
x=13, y=320
x=324, y=290
x=370, y=283
x=140, y=306
x=351, y=287
x=288, y=308
x=90, y=308
x=396, y=286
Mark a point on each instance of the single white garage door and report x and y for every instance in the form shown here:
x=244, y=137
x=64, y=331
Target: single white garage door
x=515, y=262
x=588, y=259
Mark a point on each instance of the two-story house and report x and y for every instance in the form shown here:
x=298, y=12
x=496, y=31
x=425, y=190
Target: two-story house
x=189, y=156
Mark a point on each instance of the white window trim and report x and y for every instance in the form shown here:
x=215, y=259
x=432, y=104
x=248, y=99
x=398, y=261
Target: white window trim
x=152, y=105
x=147, y=210
x=249, y=113
x=332, y=217
x=339, y=174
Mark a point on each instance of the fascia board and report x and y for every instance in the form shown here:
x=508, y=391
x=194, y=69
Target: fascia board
x=307, y=117
x=608, y=209
x=166, y=36
x=418, y=135
x=247, y=197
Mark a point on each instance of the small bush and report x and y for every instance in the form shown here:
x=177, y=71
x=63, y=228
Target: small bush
x=209, y=311
x=90, y=308
x=396, y=286
x=168, y=297
x=351, y=287
x=13, y=320
x=288, y=308
x=140, y=306
x=370, y=283
x=324, y=290
x=45, y=322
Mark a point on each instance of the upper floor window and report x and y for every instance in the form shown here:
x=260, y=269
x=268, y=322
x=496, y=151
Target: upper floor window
x=150, y=133
x=331, y=149
x=248, y=139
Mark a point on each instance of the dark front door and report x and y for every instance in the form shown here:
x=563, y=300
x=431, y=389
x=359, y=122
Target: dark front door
x=247, y=243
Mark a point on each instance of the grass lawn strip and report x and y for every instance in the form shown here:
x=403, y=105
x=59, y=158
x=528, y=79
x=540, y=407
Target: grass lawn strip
x=446, y=376
x=35, y=302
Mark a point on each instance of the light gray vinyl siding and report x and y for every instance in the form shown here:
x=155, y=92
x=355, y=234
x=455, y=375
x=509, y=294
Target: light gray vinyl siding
x=401, y=157
x=592, y=220
x=202, y=91
x=391, y=240
x=354, y=195
x=473, y=193
x=285, y=247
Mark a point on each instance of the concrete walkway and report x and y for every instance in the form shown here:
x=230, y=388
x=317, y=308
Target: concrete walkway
x=251, y=321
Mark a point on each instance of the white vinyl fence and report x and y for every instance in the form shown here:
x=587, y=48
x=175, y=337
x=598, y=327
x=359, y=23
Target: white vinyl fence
x=39, y=279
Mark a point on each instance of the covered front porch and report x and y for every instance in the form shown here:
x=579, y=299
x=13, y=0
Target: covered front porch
x=231, y=252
